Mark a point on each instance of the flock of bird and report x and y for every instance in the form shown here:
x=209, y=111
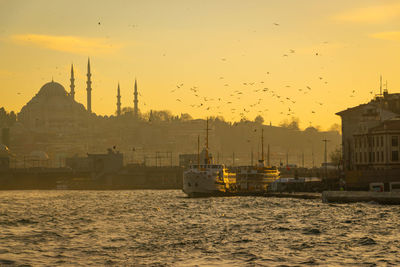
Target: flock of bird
x=257, y=90
x=260, y=93
x=235, y=97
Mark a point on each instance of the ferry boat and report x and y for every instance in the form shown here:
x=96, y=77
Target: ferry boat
x=256, y=179
x=208, y=179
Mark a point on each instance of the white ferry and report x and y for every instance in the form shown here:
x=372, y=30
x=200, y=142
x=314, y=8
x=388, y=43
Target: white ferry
x=208, y=179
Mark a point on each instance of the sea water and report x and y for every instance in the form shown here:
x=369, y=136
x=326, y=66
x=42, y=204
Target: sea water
x=165, y=228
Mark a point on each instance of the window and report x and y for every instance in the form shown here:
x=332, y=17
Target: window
x=382, y=158
x=365, y=157
x=381, y=140
x=373, y=141
x=395, y=155
x=377, y=156
x=361, y=159
x=356, y=159
x=395, y=140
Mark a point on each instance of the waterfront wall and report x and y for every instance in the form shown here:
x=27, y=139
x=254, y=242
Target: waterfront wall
x=361, y=196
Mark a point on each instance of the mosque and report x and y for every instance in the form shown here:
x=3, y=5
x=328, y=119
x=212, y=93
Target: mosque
x=53, y=109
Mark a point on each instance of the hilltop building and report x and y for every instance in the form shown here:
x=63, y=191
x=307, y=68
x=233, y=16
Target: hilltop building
x=52, y=109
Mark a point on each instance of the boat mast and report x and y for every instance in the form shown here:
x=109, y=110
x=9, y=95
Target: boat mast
x=262, y=145
x=268, y=162
x=207, y=158
x=198, y=152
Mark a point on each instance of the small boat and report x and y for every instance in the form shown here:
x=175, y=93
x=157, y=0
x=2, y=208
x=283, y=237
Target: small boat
x=208, y=179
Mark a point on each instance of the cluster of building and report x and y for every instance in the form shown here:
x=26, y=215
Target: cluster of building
x=370, y=139
x=56, y=125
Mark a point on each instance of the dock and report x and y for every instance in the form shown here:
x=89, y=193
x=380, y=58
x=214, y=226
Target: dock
x=301, y=195
x=392, y=198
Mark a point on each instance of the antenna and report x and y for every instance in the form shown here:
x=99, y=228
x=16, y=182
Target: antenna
x=251, y=156
x=380, y=85
x=198, y=152
x=207, y=158
x=287, y=158
x=268, y=157
x=262, y=145
x=326, y=157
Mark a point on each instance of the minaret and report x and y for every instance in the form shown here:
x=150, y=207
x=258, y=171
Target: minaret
x=135, y=101
x=118, y=102
x=72, y=86
x=89, y=88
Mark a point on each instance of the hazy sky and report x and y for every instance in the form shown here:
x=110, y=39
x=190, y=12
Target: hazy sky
x=333, y=47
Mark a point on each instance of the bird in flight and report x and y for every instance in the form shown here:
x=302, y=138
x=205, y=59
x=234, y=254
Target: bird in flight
x=276, y=24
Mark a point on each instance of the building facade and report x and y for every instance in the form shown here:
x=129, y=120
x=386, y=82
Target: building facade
x=357, y=123
x=378, y=148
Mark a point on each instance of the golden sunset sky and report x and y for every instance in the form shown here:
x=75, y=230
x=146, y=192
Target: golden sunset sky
x=222, y=47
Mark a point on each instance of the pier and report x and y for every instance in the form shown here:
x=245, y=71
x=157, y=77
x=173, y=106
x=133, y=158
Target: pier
x=361, y=196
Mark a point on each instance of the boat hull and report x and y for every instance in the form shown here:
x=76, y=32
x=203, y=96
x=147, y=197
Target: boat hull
x=202, y=184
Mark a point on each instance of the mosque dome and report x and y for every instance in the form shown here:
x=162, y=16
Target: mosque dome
x=52, y=109
x=52, y=89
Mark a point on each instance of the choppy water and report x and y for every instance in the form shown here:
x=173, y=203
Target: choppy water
x=165, y=228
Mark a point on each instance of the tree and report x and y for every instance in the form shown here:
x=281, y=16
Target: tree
x=7, y=119
x=335, y=128
x=336, y=156
x=259, y=119
x=185, y=117
x=127, y=111
x=292, y=125
x=311, y=129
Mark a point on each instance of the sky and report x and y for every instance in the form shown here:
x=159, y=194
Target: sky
x=280, y=59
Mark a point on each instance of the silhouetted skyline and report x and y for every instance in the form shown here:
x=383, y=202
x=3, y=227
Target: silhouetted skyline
x=231, y=58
